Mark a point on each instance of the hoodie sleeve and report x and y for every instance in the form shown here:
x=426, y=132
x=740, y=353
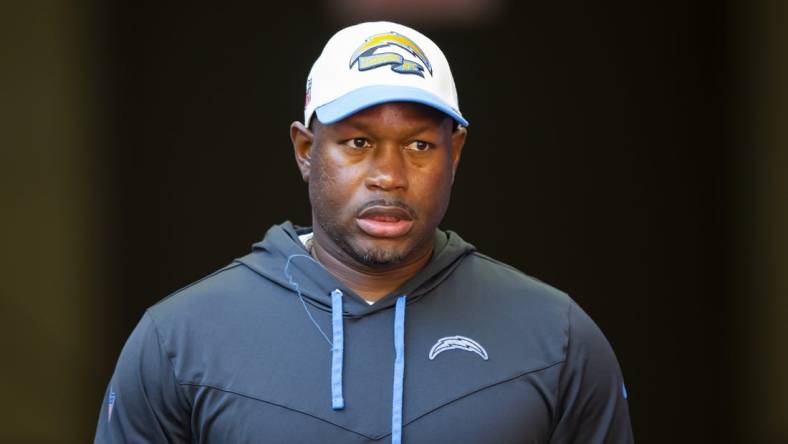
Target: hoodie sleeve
x=143, y=402
x=592, y=405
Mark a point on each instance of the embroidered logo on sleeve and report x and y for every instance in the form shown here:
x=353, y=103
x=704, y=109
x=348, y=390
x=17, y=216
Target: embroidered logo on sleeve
x=110, y=403
x=457, y=343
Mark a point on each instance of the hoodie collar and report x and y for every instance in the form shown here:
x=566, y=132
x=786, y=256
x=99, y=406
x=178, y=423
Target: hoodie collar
x=268, y=258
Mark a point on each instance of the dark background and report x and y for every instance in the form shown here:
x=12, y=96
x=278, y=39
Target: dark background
x=630, y=154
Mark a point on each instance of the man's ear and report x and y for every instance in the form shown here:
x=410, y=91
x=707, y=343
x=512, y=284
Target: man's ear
x=457, y=142
x=302, y=139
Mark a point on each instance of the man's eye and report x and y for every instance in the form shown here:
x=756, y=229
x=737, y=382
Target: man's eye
x=358, y=142
x=419, y=145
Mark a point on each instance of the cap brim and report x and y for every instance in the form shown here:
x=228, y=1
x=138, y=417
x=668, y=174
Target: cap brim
x=368, y=96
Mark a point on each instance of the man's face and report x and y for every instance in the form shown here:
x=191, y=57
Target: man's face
x=380, y=180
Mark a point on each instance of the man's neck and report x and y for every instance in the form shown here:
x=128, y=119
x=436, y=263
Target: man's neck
x=368, y=282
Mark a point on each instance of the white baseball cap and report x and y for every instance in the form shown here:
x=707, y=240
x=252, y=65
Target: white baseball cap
x=378, y=62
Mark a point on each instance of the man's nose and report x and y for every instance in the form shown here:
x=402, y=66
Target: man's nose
x=388, y=169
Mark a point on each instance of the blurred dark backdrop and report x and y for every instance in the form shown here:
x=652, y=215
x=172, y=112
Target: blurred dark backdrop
x=631, y=154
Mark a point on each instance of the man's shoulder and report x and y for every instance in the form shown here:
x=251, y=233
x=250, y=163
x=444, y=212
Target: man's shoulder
x=501, y=295
x=504, y=279
x=228, y=287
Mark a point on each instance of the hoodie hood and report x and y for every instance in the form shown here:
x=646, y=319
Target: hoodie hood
x=270, y=256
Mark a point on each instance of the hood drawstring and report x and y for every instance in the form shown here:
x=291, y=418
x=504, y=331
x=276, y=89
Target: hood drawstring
x=337, y=343
x=399, y=370
x=337, y=350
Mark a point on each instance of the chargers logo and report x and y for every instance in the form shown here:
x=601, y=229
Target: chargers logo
x=367, y=59
x=458, y=343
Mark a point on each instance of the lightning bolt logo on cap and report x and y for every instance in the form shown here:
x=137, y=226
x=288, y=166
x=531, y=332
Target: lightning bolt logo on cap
x=367, y=59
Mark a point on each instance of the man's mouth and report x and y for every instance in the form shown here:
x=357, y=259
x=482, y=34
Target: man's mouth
x=385, y=221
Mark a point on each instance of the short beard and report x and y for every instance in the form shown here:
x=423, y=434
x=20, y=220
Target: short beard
x=378, y=257
x=372, y=257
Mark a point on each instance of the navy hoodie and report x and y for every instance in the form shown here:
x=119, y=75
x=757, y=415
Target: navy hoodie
x=273, y=349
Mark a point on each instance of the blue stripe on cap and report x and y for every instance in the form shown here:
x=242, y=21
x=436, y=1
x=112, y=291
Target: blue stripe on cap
x=399, y=370
x=337, y=351
x=368, y=96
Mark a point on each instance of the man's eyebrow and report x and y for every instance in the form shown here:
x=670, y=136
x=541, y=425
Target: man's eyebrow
x=353, y=124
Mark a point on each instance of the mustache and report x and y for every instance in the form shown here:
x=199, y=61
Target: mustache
x=389, y=203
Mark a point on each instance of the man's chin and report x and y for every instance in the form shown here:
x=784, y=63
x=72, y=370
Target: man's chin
x=379, y=257
x=372, y=252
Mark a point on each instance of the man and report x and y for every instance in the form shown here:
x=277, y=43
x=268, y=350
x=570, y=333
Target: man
x=305, y=339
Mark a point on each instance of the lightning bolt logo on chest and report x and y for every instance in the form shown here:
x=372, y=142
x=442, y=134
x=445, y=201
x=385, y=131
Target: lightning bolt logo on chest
x=457, y=343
